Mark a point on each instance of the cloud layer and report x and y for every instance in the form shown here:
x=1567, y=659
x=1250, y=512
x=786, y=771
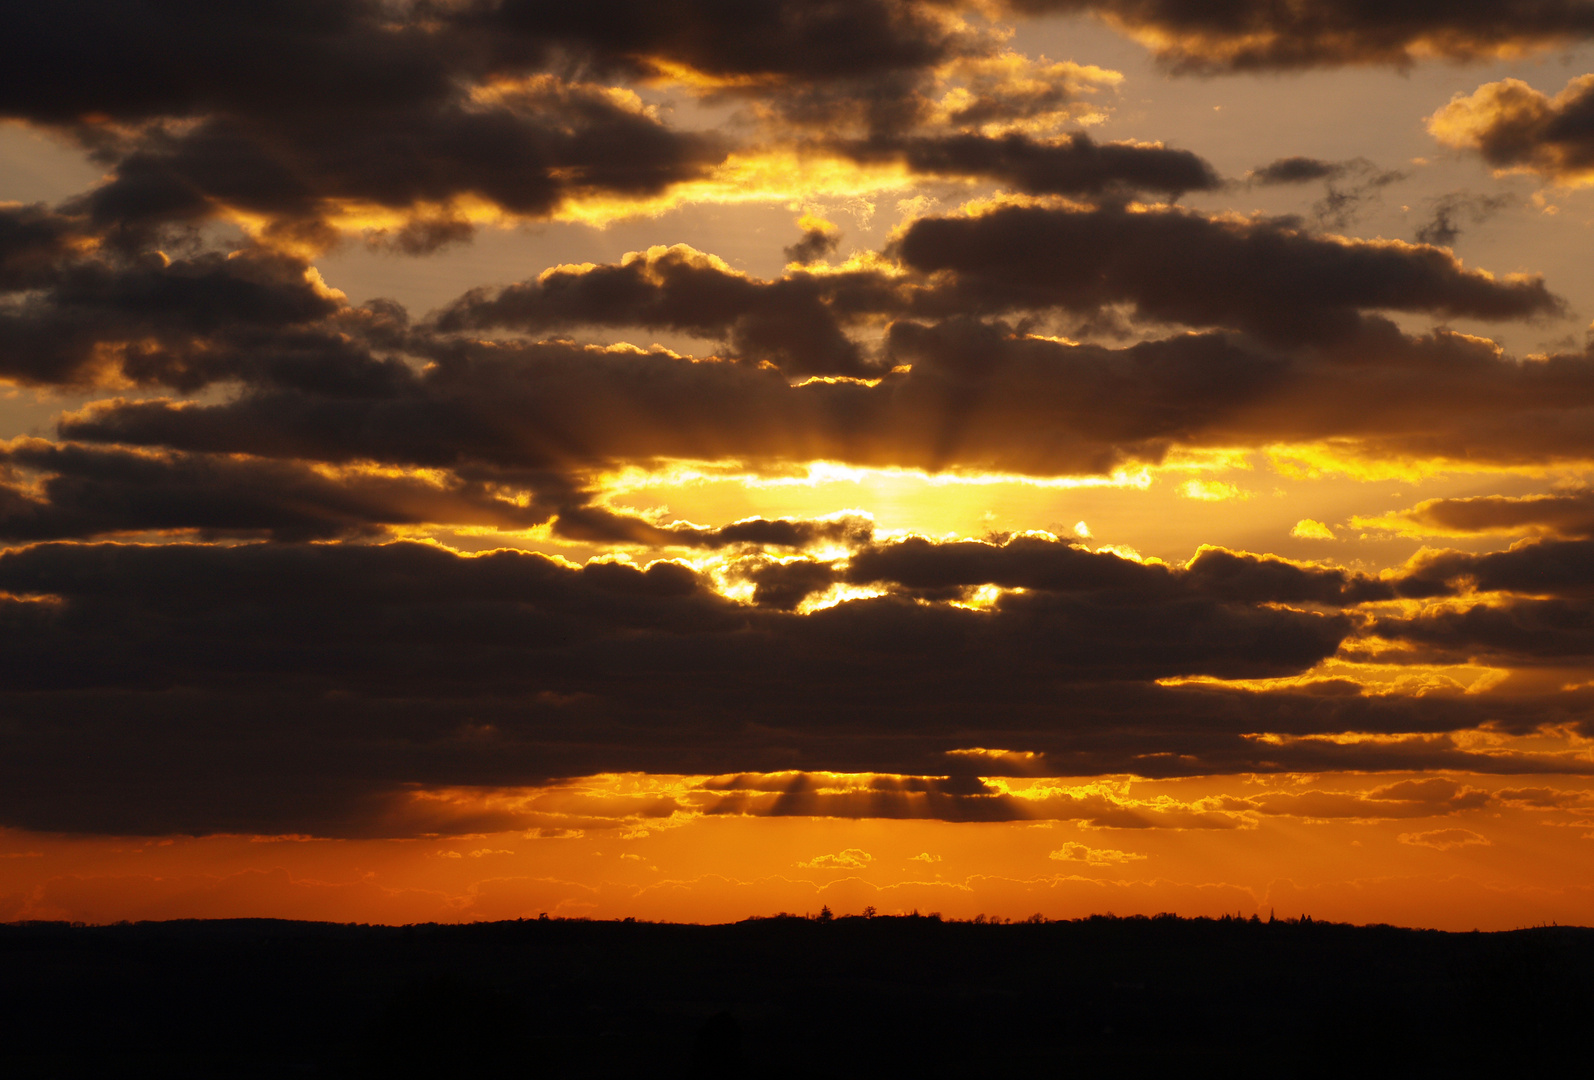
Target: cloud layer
x=235, y=591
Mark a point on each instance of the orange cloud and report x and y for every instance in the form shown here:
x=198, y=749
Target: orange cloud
x=1077, y=852
x=1519, y=129
x=1445, y=839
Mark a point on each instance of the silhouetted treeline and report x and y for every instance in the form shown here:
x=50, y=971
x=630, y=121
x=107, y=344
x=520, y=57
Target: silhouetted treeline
x=789, y=996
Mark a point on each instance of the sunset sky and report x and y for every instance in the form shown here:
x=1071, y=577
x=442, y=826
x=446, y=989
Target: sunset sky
x=463, y=459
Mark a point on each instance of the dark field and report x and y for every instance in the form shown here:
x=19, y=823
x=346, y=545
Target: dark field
x=791, y=997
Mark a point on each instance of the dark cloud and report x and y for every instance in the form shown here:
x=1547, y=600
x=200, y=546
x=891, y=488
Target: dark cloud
x=1263, y=276
x=1448, y=210
x=153, y=319
x=550, y=405
x=422, y=235
x=817, y=242
x=807, y=40
x=1439, y=395
x=951, y=570
x=87, y=59
x=970, y=395
x=131, y=61
x=1258, y=35
x=785, y=585
x=1568, y=514
x=271, y=761
x=83, y=310
x=35, y=242
x=951, y=798
x=1517, y=128
x=1071, y=165
x=1564, y=567
x=795, y=322
x=297, y=686
x=579, y=518
x=294, y=687
x=420, y=647
x=79, y=308
x=525, y=151
x=291, y=111
x=81, y=58
x=109, y=314
x=1036, y=563
x=812, y=64
x=1542, y=613
x=558, y=406
x=1343, y=203
x=1516, y=633
x=1295, y=170
x=1247, y=578
x=201, y=588
x=786, y=532
x=63, y=491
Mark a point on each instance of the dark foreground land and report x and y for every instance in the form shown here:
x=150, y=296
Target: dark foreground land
x=792, y=997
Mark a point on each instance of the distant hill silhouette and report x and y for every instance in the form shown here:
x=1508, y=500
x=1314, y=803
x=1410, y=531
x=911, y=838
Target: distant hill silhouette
x=790, y=996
